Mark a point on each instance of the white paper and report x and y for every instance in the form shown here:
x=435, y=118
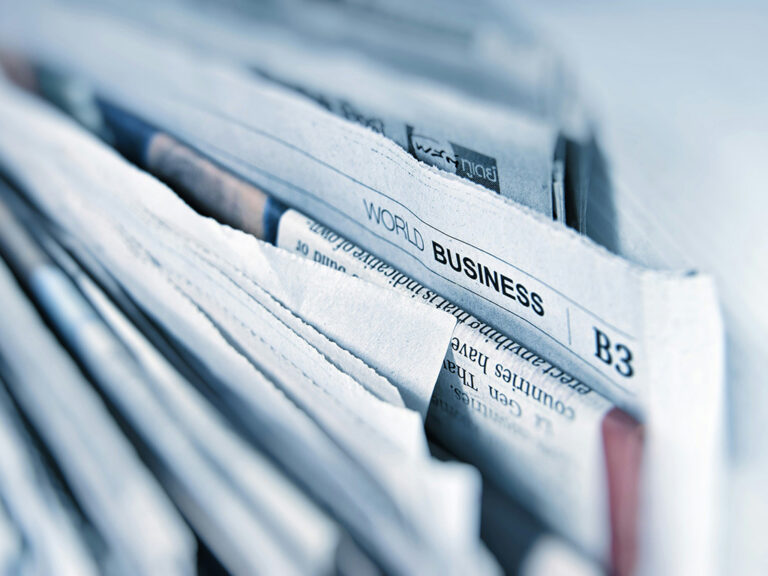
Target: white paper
x=253, y=518
x=485, y=49
x=10, y=541
x=341, y=309
x=349, y=178
x=551, y=460
x=50, y=536
x=688, y=191
x=51, y=540
x=513, y=153
x=551, y=557
x=120, y=497
x=146, y=237
x=642, y=337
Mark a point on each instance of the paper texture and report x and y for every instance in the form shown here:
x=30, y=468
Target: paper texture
x=140, y=528
x=48, y=530
x=597, y=324
x=529, y=426
x=496, y=147
x=350, y=448
x=250, y=514
x=648, y=340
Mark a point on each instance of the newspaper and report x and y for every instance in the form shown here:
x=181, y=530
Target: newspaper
x=486, y=49
x=211, y=471
x=355, y=450
x=379, y=197
x=559, y=464
x=520, y=541
x=308, y=538
x=10, y=544
x=499, y=405
x=45, y=526
x=500, y=149
x=649, y=340
x=545, y=554
x=114, y=489
x=336, y=318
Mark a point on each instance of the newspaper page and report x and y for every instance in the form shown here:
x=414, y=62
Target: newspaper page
x=649, y=340
x=469, y=246
x=96, y=460
x=47, y=537
x=502, y=150
x=349, y=447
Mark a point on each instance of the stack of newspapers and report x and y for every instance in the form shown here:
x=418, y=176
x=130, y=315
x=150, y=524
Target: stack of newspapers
x=310, y=287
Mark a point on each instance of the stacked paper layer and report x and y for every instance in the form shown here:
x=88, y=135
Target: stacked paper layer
x=284, y=295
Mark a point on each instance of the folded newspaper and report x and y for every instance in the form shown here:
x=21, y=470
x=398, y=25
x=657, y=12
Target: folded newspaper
x=281, y=297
